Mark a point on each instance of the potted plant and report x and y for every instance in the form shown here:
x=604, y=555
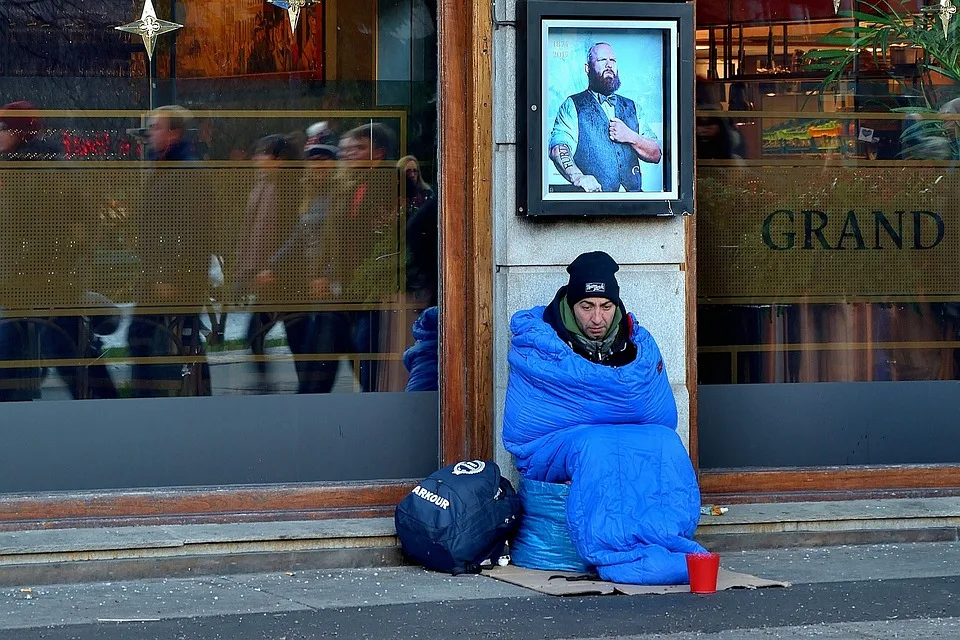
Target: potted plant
x=886, y=27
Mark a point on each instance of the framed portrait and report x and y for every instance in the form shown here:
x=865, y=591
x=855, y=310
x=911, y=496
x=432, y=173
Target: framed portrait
x=605, y=109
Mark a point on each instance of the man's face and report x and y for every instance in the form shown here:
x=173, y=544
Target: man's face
x=602, y=72
x=358, y=149
x=595, y=316
x=160, y=136
x=8, y=141
x=707, y=128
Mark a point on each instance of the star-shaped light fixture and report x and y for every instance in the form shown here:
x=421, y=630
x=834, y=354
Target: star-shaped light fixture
x=293, y=7
x=836, y=6
x=149, y=27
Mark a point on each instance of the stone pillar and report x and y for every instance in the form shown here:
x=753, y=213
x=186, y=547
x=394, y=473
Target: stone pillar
x=530, y=256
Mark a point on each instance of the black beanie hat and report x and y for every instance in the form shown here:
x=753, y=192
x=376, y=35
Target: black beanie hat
x=592, y=276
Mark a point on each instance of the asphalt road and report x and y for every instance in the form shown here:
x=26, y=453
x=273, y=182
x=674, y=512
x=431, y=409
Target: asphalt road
x=912, y=608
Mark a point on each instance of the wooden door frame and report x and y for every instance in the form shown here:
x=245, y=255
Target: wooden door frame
x=466, y=229
x=466, y=332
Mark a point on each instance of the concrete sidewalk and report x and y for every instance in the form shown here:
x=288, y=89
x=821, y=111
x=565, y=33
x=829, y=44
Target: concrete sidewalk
x=308, y=592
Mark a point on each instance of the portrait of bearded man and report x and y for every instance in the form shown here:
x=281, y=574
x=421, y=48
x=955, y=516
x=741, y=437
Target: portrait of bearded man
x=599, y=136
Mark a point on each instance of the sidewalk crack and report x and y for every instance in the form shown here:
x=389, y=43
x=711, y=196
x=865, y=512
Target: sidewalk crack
x=269, y=592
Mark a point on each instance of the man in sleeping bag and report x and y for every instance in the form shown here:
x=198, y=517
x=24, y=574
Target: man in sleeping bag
x=589, y=403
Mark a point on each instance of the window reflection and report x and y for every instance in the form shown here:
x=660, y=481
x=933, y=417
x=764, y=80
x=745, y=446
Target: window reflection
x=254, y=234
x=826, y=190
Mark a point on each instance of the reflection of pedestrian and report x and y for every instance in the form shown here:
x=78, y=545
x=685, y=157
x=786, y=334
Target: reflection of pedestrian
x=43, y=266
x=717, y=139
x=359, y=256
x=420, y=209
x=293, y=268
x=20, y=230
x=599, y=136
x=271, y=207
x=174, y=256
x=717, y=136
x=417, y=190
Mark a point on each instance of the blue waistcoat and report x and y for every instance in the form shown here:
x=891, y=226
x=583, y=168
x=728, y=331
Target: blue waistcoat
x=611, y=163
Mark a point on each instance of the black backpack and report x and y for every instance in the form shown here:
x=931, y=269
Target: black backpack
x=458, y=517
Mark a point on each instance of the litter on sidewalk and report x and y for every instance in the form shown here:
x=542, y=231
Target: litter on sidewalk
x=713, y=510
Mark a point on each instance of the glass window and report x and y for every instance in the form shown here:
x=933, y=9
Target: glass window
x=826, y=233
x=246, y=210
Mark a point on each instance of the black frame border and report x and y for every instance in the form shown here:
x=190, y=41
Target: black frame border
x=530, y=14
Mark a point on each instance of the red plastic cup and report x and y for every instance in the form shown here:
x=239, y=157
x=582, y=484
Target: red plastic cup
x=703, y=569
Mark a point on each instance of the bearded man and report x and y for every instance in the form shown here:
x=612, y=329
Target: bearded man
x=599, y=136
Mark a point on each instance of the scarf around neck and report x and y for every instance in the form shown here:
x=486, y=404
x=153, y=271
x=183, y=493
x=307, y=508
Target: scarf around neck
x=602, y=347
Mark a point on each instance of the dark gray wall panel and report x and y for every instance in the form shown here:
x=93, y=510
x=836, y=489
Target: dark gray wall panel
x=167, y=442
x=846, y=423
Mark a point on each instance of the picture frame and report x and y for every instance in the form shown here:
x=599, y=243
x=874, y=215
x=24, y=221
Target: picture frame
x=605, y=110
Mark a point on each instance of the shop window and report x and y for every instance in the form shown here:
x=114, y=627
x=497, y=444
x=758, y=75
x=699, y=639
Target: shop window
x=247, y=212
x=827, y=232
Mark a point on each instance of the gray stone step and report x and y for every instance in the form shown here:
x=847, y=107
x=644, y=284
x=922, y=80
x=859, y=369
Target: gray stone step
x=829, y=523
x=123, y=553
x=97, y=554
x=193, y=539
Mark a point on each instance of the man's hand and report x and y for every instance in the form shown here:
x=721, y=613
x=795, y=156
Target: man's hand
x=620, y=132
x=320, y=288
x=265, y=279
x=166, y=292
x=587, y=183
x=647, y=149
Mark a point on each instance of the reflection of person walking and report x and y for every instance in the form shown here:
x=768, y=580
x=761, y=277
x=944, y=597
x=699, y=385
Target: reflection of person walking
x=271, y=209
x=293, y=268
x=420, y=216
x=599, y=136
x=360, y=259
x=170, y=216
x=46, y=258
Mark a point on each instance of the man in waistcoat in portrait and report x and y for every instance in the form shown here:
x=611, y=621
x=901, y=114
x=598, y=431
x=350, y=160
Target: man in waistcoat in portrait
x=599, y=136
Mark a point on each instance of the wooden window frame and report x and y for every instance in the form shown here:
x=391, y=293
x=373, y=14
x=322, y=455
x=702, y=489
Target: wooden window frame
x=466, y=332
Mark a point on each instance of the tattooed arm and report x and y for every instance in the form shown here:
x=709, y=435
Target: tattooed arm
x=563, y=146
x=563, y=159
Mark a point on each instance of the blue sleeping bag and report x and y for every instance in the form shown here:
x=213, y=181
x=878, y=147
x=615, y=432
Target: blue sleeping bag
x=634, y=502
x=421, y=360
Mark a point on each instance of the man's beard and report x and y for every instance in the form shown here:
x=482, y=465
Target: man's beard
x=603, y=86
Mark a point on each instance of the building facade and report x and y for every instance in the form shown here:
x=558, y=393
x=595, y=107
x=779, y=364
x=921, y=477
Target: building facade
x=291, y=297
x=805, y=311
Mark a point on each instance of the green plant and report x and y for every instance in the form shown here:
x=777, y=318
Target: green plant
x=887, y=28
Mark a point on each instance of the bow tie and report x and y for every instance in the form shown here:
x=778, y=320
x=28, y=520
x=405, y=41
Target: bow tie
x=611, y=99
